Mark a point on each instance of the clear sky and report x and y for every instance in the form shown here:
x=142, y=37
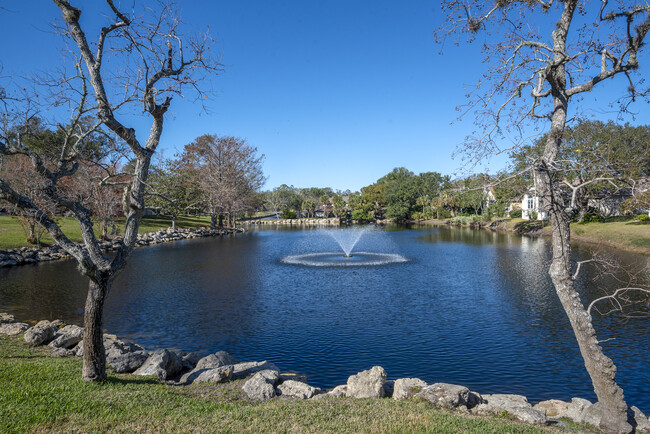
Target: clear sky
x=334, y=93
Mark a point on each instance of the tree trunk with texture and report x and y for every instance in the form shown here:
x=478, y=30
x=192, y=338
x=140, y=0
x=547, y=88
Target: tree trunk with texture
x=94, y=357
x=601, y=369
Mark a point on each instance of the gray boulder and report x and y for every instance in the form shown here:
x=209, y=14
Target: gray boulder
x=215, y=375
x=367, y=384
x=40, y=334
x=190, y=360
x=554, y=408
x=593, y=414
x=220, y=358
x=576, y=409
x=127, y=362
x=407, y=387
x=114, y=347
x=446, y=395
x=337, y=392
x=260, y=386
x=162, y=363
x=62, y=352
x=245, y=369
x=515, y=405
x=292, y=389
x=67, y=337
x=57, y=323
x=211, y=361
x=78, y=350
x=6, y=318
x=14, y=328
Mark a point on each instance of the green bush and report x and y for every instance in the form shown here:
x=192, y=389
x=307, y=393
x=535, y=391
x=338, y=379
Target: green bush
x=495, y=210
x=592, y=218
x=467, y=220
x=533, y=215
x=515, y=214
x=419, y=215
x=288, y=214
x=360, y=214
x=643, y=217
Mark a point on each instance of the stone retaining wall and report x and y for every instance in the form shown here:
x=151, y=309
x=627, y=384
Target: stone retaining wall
x=297, y=222
x=30, y=255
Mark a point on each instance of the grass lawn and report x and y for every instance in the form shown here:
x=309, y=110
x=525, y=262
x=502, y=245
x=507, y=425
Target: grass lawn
x=12, y=235
x=629, y=235
x=41, y=393
x=619, y=232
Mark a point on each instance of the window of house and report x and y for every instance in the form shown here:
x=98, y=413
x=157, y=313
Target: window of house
x=530, y=203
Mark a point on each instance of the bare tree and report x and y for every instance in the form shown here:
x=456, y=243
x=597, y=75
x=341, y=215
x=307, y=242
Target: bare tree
x=535, y=72
x=151, y=61
x=18, y=171
x=172, y=188
x=229, y=172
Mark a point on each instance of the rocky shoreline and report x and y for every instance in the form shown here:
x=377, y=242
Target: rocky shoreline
x=297, y=222
x=30, y=255
x=263, y=380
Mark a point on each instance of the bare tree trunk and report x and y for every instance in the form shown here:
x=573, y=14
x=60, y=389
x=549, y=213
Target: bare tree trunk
x=31, y=238
x=601, y=369
x=105, y=229
x=94, y=357
x=173, y=222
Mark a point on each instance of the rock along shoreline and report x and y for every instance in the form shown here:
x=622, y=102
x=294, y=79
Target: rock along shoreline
x=31, y=255
x=263, y=380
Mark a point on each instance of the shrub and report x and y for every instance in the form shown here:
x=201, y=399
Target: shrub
x=360, y=214
x=643, y=217
x=288, y=214
x=533, y=215
x=467, y=220
x=495, y=210
x=591, y=218
x=418, y=215
x=515, y=214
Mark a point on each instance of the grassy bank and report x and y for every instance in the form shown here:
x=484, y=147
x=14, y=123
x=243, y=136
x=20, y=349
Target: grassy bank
x=12, y=235
x=628, y=235
x=620, y=232
x=42, y=393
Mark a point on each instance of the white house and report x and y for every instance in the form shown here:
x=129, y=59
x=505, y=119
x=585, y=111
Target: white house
x=531, y=203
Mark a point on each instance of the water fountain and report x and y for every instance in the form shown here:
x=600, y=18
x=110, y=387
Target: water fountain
x=347, y=239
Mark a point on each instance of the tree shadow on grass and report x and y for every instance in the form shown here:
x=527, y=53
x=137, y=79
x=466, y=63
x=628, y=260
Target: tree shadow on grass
x=125, y=381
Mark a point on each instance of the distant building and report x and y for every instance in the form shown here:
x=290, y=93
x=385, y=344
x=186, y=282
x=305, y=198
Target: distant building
x=531, y=206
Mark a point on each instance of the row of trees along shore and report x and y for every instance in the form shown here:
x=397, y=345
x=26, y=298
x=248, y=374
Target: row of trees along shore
x=598, y=160
x=142, y=61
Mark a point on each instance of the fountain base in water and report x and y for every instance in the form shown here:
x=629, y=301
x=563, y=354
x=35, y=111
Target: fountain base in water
x=336, y=259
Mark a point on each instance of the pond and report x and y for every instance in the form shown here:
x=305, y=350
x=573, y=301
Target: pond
x=475, y=308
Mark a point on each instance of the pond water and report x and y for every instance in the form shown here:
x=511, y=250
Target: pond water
x=467, y=307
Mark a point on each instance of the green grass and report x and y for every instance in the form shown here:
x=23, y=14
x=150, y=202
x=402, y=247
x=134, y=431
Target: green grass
x=619, y=232
x=42, y=393
x=156, y=223
x=12, y=235
x=625, y=234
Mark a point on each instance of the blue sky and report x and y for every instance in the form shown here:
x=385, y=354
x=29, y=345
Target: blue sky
x=334, y=93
